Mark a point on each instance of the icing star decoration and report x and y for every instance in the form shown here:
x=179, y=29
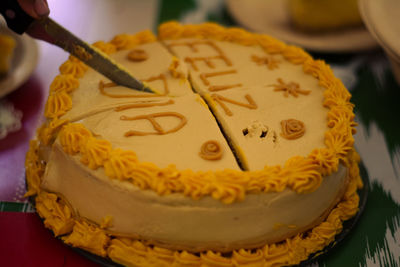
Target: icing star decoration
x=291, y=88
x=271, y=62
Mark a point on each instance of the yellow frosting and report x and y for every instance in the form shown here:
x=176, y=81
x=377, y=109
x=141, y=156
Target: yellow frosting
x=88, y=237
x=74, y=67
x=107, y=48
x=57, y=216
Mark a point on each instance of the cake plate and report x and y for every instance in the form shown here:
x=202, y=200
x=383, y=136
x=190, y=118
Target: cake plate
x=312, y=259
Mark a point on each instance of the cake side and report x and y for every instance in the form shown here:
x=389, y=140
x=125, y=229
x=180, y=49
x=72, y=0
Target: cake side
x=58, y=216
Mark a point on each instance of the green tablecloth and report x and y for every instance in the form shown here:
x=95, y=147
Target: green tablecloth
x=375, y=240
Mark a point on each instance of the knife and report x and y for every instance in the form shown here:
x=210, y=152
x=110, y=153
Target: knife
x=48, y=30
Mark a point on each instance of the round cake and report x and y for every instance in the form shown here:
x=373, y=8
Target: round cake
x=243, y=155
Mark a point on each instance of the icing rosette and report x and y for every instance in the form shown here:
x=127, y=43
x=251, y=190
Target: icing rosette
x=270, y=44
x=339, y=117
x=107, y=48
x=172, y=30
x=64, y=82
x=48, y=130
x=247, y=257
x=292, y=129
x=211, y=258
x=339, y=143
x=57, y=216
x=88, y=237
x=34, y=169
x=302, y=174
x=211, y=150
x=326, y=159
x=295, y=54
x=74, y=67
x=238, y=35
x=187, y=259
x=95, y=152
x=222, y=187
x=276, y=254
x=123, y=41
x=163, y=255
x=120, y=164
x=57, y=104
x=73, y=137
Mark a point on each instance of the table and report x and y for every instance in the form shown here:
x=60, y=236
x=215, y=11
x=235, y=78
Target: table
x=375, y=241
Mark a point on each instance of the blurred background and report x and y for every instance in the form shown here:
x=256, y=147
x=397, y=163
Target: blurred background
x=359, y=39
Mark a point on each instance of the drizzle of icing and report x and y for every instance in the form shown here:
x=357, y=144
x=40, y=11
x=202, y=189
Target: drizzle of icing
x=102, y=88
x=291, y=88
x=215, y=88
x=163, y=79
x=207, y=60
x=269, y=61
x=137, y=55
x=173, y=69
x=193, y=45
x=211, y=150
x=292, y=129
x=204, y=77
x=144, y=105
x=220, y=99
x=157, y=127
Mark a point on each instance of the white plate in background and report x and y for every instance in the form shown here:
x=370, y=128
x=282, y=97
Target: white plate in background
x=24, y=60
x=271, y=17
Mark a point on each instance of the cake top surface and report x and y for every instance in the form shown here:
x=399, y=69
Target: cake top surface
x=284, y=116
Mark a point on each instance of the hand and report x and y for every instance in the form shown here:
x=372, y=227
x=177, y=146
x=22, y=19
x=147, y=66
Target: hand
x=35, y=8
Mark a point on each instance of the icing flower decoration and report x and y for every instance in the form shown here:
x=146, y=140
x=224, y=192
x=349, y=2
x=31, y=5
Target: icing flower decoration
x=138, y=55
x=211, y=150
x=292, y=129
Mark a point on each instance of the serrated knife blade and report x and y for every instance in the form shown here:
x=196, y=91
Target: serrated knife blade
x=48, y=30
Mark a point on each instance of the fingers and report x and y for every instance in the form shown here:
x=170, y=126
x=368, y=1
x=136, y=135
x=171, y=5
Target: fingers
x=35, y=8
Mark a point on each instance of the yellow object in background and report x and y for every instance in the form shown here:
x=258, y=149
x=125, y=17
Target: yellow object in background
x=322, y=15
x=7, y=44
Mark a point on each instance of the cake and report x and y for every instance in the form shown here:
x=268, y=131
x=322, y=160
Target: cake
x=7, y=44
x=243, y=157
x=324, y=15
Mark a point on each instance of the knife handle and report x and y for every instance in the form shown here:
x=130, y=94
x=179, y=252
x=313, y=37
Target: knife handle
x=17, y=19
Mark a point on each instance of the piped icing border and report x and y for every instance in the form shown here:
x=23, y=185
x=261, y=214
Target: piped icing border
x=58, y=216
x=300, y=174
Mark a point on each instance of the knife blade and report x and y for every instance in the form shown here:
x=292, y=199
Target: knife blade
x=48, y=30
